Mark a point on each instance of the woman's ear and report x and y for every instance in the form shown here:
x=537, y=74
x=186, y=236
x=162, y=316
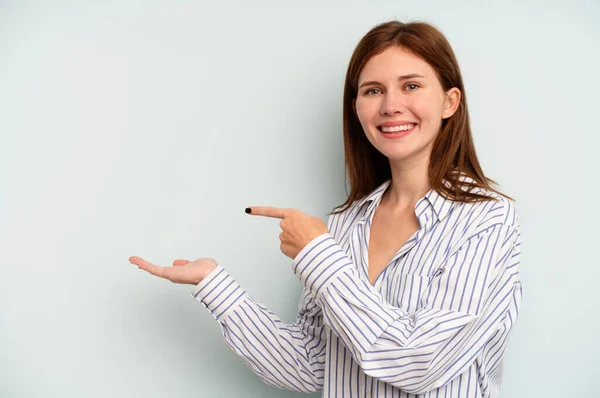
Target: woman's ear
x=452, y=102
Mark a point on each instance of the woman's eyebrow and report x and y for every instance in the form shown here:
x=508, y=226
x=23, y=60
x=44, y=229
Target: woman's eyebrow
x=400, y=78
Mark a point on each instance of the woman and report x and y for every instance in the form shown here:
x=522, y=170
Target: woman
x=412, y=287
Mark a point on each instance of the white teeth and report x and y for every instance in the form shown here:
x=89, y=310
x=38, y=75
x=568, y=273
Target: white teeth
x=403, y=127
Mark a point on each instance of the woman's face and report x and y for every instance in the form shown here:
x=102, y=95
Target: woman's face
x=401, y=104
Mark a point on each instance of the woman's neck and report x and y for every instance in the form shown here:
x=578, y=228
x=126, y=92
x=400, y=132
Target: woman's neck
x=410, y=182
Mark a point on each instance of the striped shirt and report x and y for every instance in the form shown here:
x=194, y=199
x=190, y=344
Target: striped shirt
x=435, y=323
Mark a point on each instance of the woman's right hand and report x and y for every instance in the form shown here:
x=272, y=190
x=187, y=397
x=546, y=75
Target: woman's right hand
x=182, y=271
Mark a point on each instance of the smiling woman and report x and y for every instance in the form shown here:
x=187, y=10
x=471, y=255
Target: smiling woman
x=411, y=105
x=412, y=286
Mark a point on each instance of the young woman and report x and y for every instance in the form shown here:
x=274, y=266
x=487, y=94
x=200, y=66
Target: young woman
x=412, y=288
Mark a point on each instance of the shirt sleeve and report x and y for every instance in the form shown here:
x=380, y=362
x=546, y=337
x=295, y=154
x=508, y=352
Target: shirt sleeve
x=462, y=307
x=289, y=356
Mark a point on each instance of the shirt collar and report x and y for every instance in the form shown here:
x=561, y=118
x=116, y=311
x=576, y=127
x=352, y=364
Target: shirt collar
x=440, y=205
x=375, y=195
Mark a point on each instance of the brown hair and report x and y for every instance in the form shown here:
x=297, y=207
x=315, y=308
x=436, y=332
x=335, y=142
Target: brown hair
x=453, y=151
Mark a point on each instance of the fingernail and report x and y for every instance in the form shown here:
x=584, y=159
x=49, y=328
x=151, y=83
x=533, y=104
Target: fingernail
x=248, y=210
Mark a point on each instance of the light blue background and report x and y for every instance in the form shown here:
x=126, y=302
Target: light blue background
x=145, y=128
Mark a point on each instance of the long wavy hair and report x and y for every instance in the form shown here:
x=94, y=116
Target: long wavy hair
x=453, y=153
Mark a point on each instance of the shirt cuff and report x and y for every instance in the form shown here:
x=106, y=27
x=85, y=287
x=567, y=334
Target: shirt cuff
x=320, y=262
x=219, y=293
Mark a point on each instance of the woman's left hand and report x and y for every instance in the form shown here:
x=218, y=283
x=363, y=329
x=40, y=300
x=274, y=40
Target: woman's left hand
x=298, y=228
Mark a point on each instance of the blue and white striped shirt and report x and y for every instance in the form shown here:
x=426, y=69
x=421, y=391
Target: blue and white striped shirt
x=435, y=324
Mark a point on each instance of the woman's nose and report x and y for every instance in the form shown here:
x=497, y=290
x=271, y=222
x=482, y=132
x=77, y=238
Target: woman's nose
x=392, y=103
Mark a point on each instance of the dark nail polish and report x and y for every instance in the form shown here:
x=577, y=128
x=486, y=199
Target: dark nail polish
x=248, y=210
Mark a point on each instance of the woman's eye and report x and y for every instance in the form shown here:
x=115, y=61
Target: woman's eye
x=412, y=86
x=372, y=91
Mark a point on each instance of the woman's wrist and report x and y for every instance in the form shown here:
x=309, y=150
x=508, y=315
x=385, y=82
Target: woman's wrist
x=210, y=267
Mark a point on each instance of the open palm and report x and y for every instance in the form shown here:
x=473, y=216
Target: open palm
x=182, y=271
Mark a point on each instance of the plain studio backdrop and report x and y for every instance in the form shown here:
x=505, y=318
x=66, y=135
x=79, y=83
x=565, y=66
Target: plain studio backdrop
x=146, y=127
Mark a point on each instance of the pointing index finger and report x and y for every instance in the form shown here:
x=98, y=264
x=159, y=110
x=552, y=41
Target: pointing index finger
x=273, y=212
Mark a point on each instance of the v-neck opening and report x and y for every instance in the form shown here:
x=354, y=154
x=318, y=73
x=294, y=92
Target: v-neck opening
x=400, y=252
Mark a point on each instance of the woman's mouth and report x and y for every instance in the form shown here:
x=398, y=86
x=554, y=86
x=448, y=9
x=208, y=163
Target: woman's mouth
x=396, y=131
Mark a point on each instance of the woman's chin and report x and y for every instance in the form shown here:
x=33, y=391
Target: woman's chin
x=406, y=157
x=397, y=155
